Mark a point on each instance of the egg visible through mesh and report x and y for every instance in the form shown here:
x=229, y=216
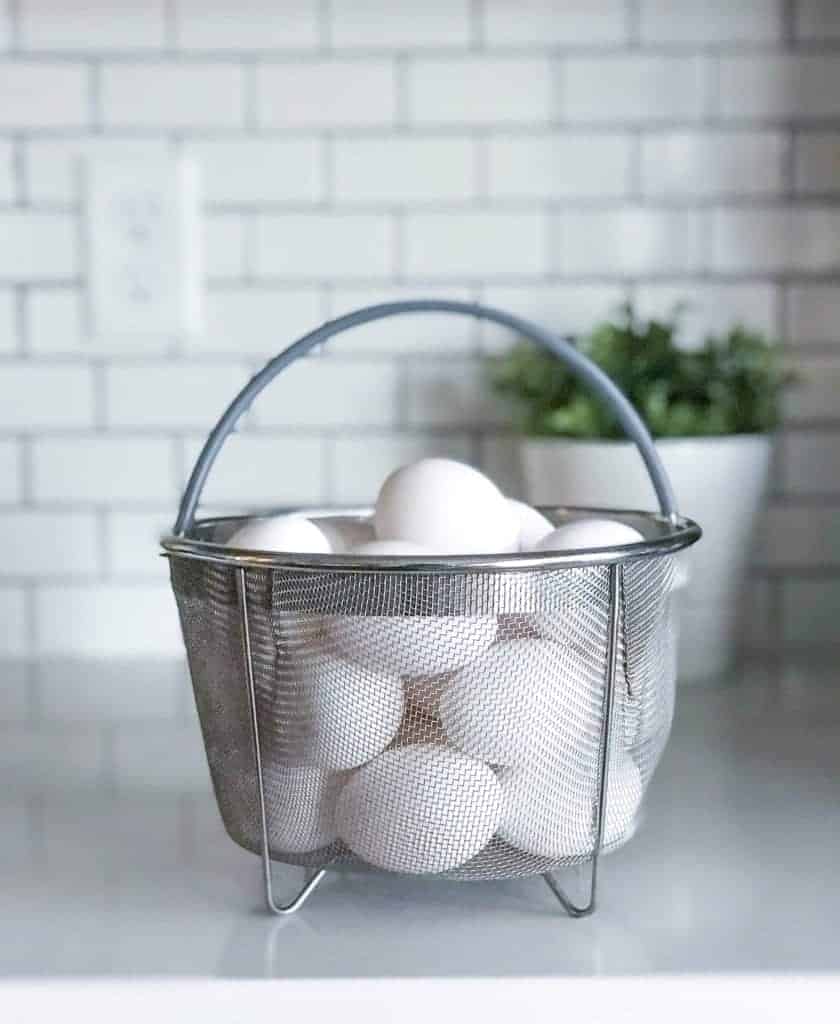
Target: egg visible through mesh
x=419, y=809
x=552, y=816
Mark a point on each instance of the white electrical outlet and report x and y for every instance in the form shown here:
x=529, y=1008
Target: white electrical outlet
x=144, y=247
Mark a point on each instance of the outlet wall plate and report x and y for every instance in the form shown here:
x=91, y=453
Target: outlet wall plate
x=144, y=246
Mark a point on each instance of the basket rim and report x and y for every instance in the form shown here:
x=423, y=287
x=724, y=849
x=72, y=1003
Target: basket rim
x=674, y=535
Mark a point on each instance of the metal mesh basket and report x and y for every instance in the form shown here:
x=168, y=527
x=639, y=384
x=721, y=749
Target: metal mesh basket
x=468, y=718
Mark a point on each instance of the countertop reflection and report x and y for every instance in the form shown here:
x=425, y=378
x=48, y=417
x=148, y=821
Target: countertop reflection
x=734, y=869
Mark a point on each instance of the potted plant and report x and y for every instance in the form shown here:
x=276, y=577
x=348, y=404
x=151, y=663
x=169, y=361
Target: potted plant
x=712, y=410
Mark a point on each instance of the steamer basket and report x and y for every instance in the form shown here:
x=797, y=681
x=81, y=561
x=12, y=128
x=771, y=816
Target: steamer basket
x=352, y=715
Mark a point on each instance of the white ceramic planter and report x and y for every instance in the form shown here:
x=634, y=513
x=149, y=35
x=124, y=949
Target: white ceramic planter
x=719, y=482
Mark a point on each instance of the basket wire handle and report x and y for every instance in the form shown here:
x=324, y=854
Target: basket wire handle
x=575, y=360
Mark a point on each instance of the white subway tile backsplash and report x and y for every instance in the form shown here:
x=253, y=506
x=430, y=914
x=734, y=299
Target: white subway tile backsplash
x=373, y=24
x=437, y=334
x=332, y=393
x=167, y=94
x=466, y=90
x=8, y=321
x=811, y=462
x=108, y=619
x=54, y=320
x=817, y=20
x=626, y=241
x=271, y=471
x=14, y=640
x=474, y=244
x=559, y=166
x=713, y=21
x=565, y=309
x=551, y=157
x=133, y=543
x=360, y=464
x=10, y=472
x=451, y=393
x=168, y=394
x=799, y=536
x=256, y=320
x=77, y=690
x=324, y=245
x=247, y=25
x=224, y=247
x=38, y=395
x=7, y=172
x=43, y=94
x=814, y=395
x=326, y=93
x=555, y=22
x=38, y=246
x=93, y=25
x=779, y=86
x=56, y=168
x=102, y=470
x=255, y=171
x=813, y=314
x=710, y=308
x=40, y=543
x=768, y=240
x=404, y=170
x=809, y=613
x=639, y=89
x=711, y=163
x=817, y=162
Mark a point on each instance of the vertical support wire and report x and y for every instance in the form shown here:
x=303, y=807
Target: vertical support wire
x=301, y=897
x=573, y=909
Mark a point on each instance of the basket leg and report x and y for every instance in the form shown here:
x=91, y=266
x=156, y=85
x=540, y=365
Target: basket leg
x=281, y=909
x=584, y=910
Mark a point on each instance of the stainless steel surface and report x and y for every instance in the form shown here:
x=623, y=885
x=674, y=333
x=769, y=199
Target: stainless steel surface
x=662, y=535
x=333, y=741
x=734, y=870
x=584, y=909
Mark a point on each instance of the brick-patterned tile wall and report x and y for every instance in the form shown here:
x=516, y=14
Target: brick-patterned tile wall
x=546, y=156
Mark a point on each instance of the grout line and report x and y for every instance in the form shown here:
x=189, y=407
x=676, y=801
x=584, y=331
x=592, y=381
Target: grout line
x=633, y=22
x=13, y=10
x=97, y=120
x=170, y=26
x=477, y=16
x=26, y=471
x=250, y=98
x=788, y=20
x=19, y=165
x=325, y=21
x=402, y=94
x=21, y=322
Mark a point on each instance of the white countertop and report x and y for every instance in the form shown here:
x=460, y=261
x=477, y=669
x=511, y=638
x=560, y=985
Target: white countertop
x=733, y=870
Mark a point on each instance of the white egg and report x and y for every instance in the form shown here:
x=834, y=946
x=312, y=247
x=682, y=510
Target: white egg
x=411, y=645
x=290, y=533
x=523, y=703
x=390, y=547
x=300, y=807
x=446, y=506
x=345, y=532
x=533, y=525
x=549, y=816
x=418, y=809
x=582, y=534
x=345, y=713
